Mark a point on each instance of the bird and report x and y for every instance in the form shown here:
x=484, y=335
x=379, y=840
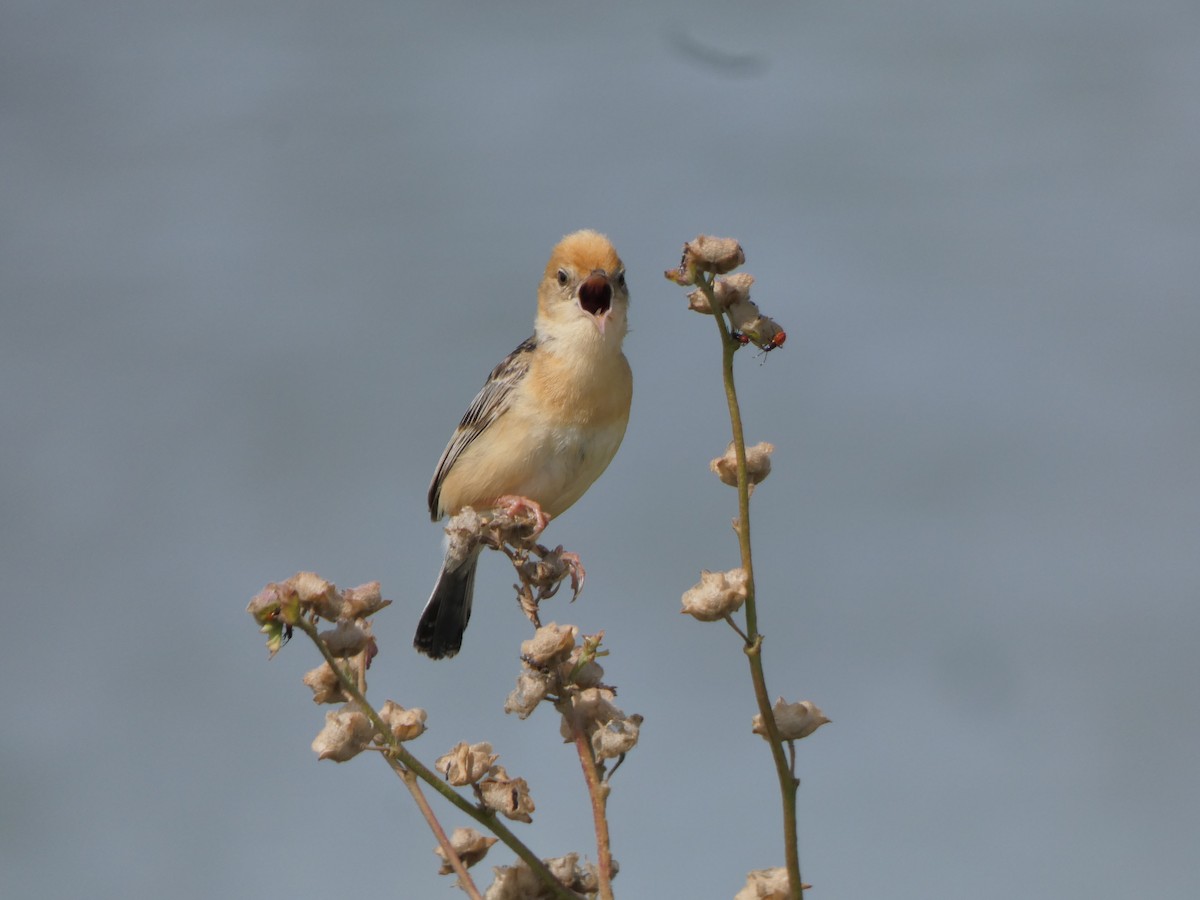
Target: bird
x=546, y=423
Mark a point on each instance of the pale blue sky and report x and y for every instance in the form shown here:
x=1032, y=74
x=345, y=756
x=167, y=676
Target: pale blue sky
x=257, y=257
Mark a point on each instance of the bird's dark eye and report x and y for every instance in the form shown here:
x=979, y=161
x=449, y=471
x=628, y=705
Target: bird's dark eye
x=562, y=277
x=619, y=278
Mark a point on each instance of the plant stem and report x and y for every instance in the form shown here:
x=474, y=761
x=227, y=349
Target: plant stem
x=598, y=791
x=754, y=639
x=452, y=858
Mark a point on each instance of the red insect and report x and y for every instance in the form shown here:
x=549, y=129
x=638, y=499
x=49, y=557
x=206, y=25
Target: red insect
x=775, y=342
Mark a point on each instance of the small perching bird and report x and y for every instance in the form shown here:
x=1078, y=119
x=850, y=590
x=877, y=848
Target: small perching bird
x=547, y=422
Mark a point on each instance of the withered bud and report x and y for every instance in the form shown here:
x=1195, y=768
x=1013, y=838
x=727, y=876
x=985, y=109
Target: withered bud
x=515, y=882
x=406, y=724
x=317, y=595
x=469, y=844
x=712, y=254
x=758, y=464
x=733, y=289
x=466, y=763
x=616, y=737
x=706, y=254
x=698, y=302
x=715, y=255
x=507, y=796
x=741, y=312
x=362, y=601
x=532, y=687
x=550, y=644
x=764, y=332
x=565, y=869
x=716, y=595
x=727, y=292
x=583, y=879
x=794, y=720
x=325, y=685
x=591, y=707
x=347, y=733
x=682, y=275
x=348, y=638
x=767, y=884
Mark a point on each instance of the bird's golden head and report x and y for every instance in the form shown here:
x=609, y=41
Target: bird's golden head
x=583, y=292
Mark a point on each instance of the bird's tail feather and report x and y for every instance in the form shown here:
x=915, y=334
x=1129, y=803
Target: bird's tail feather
x=440, y=631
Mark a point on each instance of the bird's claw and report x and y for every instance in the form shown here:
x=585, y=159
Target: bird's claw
x=514, y=506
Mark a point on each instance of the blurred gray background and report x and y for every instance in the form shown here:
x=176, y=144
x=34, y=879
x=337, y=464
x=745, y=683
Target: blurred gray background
x=257, y=257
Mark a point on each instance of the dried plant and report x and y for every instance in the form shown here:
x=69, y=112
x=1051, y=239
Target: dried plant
x=720, y=595
x=559, y=667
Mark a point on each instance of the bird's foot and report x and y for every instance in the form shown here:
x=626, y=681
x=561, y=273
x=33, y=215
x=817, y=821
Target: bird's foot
x=515, y=506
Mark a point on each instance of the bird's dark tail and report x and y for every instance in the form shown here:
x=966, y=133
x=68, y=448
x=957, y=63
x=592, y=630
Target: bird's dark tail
x=440, y=631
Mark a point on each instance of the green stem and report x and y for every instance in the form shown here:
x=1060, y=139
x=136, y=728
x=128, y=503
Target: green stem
x=399, y=753
x=754, y=639
x=452, y=858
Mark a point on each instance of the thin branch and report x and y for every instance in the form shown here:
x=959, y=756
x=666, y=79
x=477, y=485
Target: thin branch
x=452, y=858
x=784, y=773
x=734, y=626
x=598, y=792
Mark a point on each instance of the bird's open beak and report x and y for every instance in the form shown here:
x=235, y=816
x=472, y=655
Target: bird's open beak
x=595, y=298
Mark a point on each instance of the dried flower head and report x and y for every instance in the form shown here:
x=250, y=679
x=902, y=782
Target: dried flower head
x=716, y=595
x=767, y=884
x=515, y=882
x=714, y=254
x=550, y=644
x=362, y=601
x=706, y=254
x=616, y=737
x=727, y=292
x=593, y=710
x=469, y=844
x=794, y=720
x=347, y=733
x=325, y=685
x=758, y=464
x=347, y=638
x=532, y=687
x=764, y=332
x=406, y=724
x=741, y=311
x=466, y=763
x=317, y=595
x=507, y=796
